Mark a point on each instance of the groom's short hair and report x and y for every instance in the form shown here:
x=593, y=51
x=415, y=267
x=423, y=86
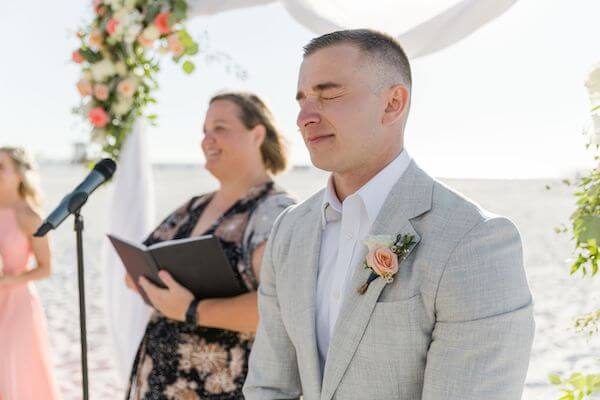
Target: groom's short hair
x=387, y=53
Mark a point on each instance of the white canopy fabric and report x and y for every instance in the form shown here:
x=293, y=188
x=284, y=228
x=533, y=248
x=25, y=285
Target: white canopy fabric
x=422, y=26
x=131, y=217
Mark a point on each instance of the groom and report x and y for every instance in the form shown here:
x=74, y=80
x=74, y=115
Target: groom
x=444, y=314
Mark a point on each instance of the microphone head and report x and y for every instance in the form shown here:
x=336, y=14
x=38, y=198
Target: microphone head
x=106, y=167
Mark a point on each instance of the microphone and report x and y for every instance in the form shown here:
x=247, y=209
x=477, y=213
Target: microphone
x=72, y=202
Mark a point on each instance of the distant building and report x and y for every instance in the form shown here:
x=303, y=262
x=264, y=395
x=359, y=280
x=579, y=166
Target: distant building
x=80, y=153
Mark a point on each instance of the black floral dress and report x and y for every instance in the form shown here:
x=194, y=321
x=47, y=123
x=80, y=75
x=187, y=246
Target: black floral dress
x=183, y=362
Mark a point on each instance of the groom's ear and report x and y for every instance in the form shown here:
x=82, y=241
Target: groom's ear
x=396, y=104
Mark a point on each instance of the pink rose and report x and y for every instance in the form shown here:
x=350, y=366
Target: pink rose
x=101, y=91
x=383, y=261
x=98, y=117
x=96, y=39
x=97, y=3
x=144, y=41
x=77, y=57
x=162, y=22
x=174, y=45
x=111, y=26
x=127, y=87
x=84, y=87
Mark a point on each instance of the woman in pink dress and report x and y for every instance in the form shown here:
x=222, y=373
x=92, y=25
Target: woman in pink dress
x=25, y=368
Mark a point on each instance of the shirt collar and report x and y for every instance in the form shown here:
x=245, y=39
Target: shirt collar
x=373, y=193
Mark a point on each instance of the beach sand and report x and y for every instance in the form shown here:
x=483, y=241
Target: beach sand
x=535, y=210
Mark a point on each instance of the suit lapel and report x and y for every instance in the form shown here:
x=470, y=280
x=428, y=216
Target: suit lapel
x=304, y=276
x=410, y=197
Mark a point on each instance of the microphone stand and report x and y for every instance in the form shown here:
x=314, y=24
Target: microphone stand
x=75, y=204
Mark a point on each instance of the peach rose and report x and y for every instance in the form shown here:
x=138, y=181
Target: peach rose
x=111, y=26
x=383, y=261
x=127, y=87
x=145, y=42
x=96, y=40
x=175, y=46
x=98, y=117
x=101, y=91
x=162, y=22
x=84, y=87
x=77, y=57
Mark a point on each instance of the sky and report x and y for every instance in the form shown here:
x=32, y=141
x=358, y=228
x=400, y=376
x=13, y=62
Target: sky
x=506, y=102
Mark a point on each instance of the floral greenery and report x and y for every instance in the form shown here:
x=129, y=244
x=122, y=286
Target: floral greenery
x=585, y=225
x=118, y=54
x=577, y=386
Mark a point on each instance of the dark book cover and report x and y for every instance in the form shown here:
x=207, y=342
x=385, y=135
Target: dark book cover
x=197, y=263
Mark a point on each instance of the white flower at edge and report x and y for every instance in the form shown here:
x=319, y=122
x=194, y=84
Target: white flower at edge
x=102, y=69
x=595, y=128
x=122, y=105
x=373, y=241
x=593, y=85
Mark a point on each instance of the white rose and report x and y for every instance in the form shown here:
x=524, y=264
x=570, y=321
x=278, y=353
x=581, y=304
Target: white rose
x=87, y=74
x=379, y=241
x=151, y=33
x=132, y=33
x=98, y=136
x=593, y=85
x=130, y=4
x=122, y=106
x=121, y=68
x=102, y=70
x=116, y=5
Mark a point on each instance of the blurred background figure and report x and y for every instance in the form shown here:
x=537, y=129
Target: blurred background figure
x=208, y=358
x=25, y=367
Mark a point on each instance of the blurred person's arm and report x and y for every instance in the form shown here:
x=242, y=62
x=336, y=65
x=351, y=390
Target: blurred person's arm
x=29, y=221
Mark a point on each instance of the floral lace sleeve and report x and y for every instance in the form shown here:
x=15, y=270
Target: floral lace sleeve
x=262, y=220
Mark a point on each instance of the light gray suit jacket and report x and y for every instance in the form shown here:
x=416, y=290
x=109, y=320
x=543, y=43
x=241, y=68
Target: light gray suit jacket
x=455, y=324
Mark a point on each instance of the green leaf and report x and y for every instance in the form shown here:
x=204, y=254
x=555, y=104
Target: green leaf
x=192, y=50
x=188, y=67
x=555, y=379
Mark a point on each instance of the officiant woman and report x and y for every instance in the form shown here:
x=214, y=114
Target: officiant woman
x=199, y=349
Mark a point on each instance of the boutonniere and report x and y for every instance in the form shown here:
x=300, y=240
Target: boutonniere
x=386, y=252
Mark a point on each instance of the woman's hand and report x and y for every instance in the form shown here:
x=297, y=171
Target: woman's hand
x=173, y=301
x=129, y=283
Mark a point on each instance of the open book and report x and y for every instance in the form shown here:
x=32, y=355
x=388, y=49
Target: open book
x=197, y=263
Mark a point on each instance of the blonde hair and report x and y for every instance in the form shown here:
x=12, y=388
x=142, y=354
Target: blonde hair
x=29, y=188
x=253, y=112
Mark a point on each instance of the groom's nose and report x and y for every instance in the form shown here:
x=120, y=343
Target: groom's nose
x=307, y=116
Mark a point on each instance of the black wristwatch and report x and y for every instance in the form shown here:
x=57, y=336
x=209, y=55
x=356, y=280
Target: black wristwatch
x=191, y=315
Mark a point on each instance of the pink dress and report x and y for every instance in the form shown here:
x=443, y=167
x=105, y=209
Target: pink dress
x=25, y=367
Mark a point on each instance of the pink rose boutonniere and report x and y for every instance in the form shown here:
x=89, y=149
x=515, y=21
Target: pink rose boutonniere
x=386, y=252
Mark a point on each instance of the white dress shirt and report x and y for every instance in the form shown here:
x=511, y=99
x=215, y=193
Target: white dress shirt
x=345, y=226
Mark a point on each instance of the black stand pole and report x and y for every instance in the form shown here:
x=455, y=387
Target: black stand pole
x=80, y=275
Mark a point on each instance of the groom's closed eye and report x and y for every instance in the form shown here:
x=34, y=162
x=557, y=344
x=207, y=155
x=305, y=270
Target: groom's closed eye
x=320, y=88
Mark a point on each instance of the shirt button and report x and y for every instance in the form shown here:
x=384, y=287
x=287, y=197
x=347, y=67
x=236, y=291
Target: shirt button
x=349, y=235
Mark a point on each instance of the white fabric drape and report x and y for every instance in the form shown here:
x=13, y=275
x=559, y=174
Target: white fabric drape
x=422, y=26
x=131, y=217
